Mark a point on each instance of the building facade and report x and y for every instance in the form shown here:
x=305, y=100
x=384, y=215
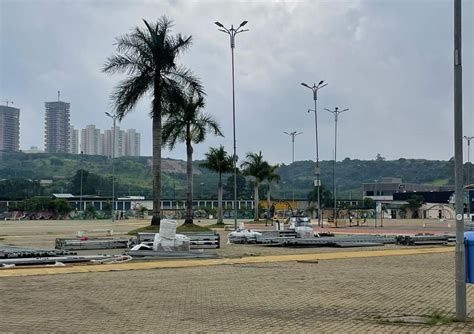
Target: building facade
x=73, y=141
x=90, y=140
x=9, y=129
x=57, y=127
x=132, y=143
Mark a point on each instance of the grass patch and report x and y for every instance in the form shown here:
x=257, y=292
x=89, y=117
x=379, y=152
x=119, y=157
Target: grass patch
x=179, y=229
x=149, y=229
x=220, y=225
x=192, y=228
x=438, y=318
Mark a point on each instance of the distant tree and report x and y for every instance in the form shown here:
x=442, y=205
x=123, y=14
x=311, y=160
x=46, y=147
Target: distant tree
x=90, y=211
x=219, y=161
x=61, y=207
x=242, y=190
x=379, y=157
x=271, y=176
x=107, y=208
x=369, y=203
x=326, y=199
x=148, y=56
x=414, y=204
x=255, y=166
x=189, y=124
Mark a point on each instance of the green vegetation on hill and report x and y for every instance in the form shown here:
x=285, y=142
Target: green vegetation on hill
x=20, y=174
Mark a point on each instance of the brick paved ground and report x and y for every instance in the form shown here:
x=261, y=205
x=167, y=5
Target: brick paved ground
x=353, y=295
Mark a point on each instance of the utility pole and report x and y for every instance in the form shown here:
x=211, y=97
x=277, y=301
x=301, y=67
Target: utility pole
x=460, y=280
x=317, y=182
x=232, y=33
x=292, y=135
x=336, y=112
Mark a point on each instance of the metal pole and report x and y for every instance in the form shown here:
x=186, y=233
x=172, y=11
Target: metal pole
x=458, y=169
x=113, y=171
x=315, y=96
x=232, y=32
x=334, y=169
x=232, y=45
x=293, y=147
x=315, y=89
x=468, y=176
x=336, y=113
x=80, y=202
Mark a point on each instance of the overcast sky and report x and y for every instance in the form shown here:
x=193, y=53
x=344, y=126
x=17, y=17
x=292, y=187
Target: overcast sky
x=389, y=61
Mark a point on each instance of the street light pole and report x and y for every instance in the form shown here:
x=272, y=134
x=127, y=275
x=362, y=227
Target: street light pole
x=114, y=118
x=232, y=33
x=292, y=135
x=82, y=167
x=468, y=177
x=315, y=89
x=336, y=112
x=460, y=280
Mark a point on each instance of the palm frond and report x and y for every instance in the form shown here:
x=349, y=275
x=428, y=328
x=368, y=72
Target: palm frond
x=129, y=91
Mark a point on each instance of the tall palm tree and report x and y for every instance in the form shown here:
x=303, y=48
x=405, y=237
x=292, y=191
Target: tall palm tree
x=189, y=124
x=255, y=166
x=217, y=160
x=271, y=176
x=148, y=56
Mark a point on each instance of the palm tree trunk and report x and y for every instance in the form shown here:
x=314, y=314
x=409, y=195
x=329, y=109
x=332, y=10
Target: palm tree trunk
x=256, y=201
x=219, y=201
x=156, y=162
x=269, y=197
x=189, y=193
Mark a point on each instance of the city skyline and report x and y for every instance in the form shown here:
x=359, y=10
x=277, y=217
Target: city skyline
x=391, y=84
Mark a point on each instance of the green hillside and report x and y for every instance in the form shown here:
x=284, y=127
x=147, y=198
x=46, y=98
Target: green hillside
x=133, y=175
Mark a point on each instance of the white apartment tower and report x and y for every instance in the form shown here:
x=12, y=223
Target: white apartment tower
x=132, y=143
x=90, y=140
x=73, y=140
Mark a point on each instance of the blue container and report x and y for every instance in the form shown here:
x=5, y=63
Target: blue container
x=469, y=255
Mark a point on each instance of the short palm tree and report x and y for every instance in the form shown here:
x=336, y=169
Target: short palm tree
x=255, y=166
x=271, y=176
x=148, y=56
x=217, y=160
x=189, y=124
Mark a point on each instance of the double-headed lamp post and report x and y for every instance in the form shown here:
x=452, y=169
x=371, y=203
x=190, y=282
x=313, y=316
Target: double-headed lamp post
x=232, y=32
x=114, y=118
x=292, y=135
x=317, y=182
x=336, y=113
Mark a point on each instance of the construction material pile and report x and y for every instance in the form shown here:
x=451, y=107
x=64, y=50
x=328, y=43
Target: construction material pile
x=11, y=256
x=419, y=240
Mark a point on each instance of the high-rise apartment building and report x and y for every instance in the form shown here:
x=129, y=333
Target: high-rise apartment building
x=73, y=140
x=93, y=142
x=132, y=143
x=9, y=129
x=119, y=142
x=57, y=127
x=90, y=140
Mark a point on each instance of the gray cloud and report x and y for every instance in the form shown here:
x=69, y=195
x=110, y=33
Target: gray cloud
x=390, y=62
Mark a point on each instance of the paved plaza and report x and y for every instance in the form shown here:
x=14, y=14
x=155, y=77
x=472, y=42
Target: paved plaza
x=268, y=290
x=344, y=295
